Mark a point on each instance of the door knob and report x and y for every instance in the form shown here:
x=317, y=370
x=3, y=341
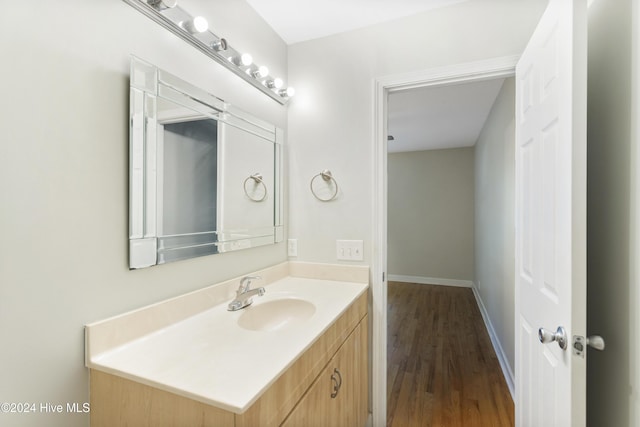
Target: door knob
x=580, y=344
x=559, y=336
x=596, y=341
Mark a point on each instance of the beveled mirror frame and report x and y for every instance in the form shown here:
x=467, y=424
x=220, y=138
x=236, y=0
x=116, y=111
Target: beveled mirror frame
x=148, y=84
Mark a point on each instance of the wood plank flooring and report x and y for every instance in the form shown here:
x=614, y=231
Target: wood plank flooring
x=441, y=367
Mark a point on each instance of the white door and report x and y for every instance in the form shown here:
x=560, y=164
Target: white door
x=551, y=89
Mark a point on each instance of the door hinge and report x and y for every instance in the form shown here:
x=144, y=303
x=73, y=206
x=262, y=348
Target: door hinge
x=383, y=276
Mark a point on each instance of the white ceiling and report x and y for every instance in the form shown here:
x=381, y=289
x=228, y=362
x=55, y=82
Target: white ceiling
x=440, y=117
x=299, y=20
x=419, y=119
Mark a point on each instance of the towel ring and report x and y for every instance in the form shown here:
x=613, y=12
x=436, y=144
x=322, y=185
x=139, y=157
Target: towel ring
x=257, y=179
x=327, y=177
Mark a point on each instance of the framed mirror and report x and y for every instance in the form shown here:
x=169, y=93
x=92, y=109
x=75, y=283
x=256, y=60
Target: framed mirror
x=204, y=177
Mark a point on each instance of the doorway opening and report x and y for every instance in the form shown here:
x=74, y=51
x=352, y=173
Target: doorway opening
x=462, y=73
x=450, y=216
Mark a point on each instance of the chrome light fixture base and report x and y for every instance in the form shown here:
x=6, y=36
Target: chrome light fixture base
x=172, y=17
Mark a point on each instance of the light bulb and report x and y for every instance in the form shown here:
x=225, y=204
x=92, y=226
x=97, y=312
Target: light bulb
x=260, y=73
x=200, y=24
x=288, y=92
x=274, y=84
x=196, y=25
x=246, y=59
x=263, y=71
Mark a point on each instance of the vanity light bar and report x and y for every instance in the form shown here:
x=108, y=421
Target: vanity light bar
x=194, y=30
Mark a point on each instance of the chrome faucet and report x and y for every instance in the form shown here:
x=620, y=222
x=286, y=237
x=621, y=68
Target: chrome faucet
x=244, y=293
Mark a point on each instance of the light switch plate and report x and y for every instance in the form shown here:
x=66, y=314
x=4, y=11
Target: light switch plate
x=349, y=250
x=292, y=247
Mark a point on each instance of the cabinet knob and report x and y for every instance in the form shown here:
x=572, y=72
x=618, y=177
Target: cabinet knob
x=336, y=378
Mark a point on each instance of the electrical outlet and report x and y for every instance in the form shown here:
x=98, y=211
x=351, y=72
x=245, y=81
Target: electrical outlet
x=349, y=250
x=292, y=247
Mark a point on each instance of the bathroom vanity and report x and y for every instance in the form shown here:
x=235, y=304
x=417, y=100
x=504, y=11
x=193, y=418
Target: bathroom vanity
x=297, y=356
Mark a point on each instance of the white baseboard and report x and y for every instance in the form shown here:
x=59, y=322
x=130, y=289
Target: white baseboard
x=430, y=280
x=502, y=358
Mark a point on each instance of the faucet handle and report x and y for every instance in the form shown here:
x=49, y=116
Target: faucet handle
x=247, y=280
x=250, y=278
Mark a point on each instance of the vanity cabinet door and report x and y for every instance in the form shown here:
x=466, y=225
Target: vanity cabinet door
x=339, y=396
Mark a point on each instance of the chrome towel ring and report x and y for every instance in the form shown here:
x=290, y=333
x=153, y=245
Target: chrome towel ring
x=327, y=177
x=257, y=180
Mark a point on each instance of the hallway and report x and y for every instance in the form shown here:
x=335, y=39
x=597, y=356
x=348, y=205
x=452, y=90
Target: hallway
x=441, y=367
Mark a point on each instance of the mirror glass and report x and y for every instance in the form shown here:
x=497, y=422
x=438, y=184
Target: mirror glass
x=204, y=176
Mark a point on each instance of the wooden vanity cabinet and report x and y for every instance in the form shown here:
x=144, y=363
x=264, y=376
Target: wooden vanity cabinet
x=338, y=397
x=301, y=396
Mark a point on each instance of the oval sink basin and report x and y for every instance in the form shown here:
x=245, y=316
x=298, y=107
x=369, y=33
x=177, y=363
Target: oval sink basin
x=277, y=314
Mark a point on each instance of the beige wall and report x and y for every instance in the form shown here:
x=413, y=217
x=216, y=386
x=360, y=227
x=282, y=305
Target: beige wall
x=331, y=116
x=494, y=218
x=430, y=214
x=613, y=300
x=64, y=180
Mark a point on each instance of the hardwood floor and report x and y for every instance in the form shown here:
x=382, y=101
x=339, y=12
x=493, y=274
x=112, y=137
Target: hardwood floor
x=441, y=367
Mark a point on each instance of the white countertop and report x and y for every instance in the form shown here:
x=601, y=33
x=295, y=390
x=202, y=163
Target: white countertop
x=208, y=357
